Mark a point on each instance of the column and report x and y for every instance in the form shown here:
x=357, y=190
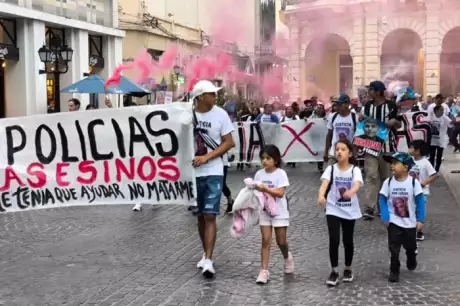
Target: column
x=294, y=62
x=371, y=49
x=357, y=53
x=433, y=45
x=25, y=87
x=78, y=40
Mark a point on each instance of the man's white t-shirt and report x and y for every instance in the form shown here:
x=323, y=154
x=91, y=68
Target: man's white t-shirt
x=431, y=107
x=276, y=179
x=342, y=128
x=439, y=126
x=216, y=123
x=267, y=118
x=401, y=200
x=336, y=205
x=422, y=171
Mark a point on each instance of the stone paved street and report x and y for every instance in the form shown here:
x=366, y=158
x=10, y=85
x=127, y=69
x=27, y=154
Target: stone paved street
x=113, y=256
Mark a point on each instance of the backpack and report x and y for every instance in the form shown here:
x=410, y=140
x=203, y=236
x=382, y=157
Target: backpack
x=329, y=186
x=353, y=118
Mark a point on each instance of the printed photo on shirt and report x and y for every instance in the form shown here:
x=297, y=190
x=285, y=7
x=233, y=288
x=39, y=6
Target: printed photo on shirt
x=415, y=172
x=342, y=133
x=341, y=188
x=435, y=127
x=200, y=145
x=401, y=206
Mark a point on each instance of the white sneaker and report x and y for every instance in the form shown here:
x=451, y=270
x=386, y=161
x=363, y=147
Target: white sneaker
x=208, y=269
x=137, y=207
x=200, y=264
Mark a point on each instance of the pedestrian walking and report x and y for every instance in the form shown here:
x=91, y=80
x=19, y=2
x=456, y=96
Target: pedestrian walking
x=338, y=193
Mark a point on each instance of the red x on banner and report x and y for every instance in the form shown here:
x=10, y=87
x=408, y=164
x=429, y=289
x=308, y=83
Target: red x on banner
x=297, y=138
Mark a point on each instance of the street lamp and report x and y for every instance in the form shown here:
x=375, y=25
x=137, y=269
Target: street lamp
x=58, y=56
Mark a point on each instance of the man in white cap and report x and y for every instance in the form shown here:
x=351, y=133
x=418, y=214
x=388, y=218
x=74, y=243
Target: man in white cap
x=213, y=138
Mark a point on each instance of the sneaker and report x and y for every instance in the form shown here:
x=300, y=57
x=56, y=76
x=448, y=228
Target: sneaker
x=347, y=276
x=333, y=279
x=208, y=269
x=263, y=277
x=368, y=215
x=137, y=207
x=411, y=264
x=420, y=236
x=289, y=264
x=394, y=277
x=200, y=264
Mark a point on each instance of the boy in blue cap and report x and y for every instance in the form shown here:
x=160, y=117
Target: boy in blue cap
x=402, y=208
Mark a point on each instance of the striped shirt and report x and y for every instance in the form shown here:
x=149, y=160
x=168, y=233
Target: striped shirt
x=384, y=113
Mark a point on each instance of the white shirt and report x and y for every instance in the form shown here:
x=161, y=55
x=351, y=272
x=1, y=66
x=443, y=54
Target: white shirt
x=342, y=127
x=401, y=201
x=276, y=179
x=422, y=171
x=267, y=118
x=431, y=107
x=286, y=119
x=439, y=126
x=341, y=182
x=216, y=123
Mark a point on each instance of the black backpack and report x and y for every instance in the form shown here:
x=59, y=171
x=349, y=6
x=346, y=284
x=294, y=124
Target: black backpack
x=413, y=182
x=353, y=118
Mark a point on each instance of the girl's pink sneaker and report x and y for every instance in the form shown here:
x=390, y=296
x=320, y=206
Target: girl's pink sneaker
x=263, y=277
x=289, y=264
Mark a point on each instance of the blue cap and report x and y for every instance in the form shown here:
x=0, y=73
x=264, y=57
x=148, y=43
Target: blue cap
x=343, y=98
x=404, y=158
x=377, y=86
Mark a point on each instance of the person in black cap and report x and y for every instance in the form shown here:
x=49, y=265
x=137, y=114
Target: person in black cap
x=341, y=125
x=378, y=108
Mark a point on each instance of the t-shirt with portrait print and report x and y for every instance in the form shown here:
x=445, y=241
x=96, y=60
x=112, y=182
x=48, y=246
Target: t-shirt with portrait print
x=401, y=200
x=216, y=123
x=422, y=171
x=342, y=181
x=342, y=129
x=275, y=179
x=439, y=126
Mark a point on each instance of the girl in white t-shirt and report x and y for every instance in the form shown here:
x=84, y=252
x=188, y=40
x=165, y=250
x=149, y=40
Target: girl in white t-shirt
x=273, y=181
x=341, y=182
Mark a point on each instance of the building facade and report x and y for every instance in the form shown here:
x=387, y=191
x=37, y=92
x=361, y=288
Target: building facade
x=157, y=25
x=339, y=48
x=89, y=28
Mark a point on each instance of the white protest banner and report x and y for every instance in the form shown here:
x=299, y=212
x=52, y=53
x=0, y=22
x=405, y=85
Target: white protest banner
x=304, y=141
x=114, y=156
x=298, y=141
x=415, y=125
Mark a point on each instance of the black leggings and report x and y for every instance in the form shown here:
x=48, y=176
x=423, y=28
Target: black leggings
x=436, y=157
x=226, y=191
x=348, y=227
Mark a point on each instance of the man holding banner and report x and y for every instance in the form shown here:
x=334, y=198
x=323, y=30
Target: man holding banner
x=213, y=138
x=376, y=169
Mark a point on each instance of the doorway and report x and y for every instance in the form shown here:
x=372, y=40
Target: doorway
x=2, y=89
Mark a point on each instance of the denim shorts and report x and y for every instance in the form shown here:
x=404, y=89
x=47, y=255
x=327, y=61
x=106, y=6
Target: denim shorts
x=209, y=193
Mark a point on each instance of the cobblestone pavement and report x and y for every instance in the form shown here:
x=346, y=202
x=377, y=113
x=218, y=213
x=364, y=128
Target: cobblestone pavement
x=109, y=255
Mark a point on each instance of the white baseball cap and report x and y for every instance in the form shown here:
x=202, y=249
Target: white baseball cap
x=204, y=86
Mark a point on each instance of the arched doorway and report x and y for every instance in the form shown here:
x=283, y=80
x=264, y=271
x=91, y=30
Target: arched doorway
x=450, y=63
x=402, y=59
x=328, y=67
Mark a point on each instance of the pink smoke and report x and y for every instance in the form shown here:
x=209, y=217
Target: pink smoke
x=145, y=66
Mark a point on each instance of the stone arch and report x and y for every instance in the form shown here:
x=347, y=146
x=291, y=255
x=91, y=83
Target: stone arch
x=309, y=35
x=446, y=26
x=449, y=73
x=394, y=24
